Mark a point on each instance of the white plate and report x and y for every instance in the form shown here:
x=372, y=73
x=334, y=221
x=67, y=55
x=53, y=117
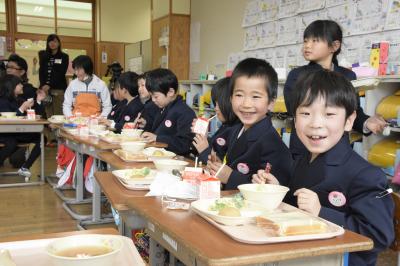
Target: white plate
x=117, y=152
x=252, y=234
x=121, y=174
x=248, y=213
x=15, y=118
x=134, y=186
x=166, y=154
x=27, y=252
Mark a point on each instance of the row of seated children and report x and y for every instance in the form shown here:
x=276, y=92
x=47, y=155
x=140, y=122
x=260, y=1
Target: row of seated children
x=18, y=95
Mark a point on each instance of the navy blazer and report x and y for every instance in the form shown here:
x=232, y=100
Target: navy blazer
x=256, y=147
x=342, y=170
x=128, y=113
x=172, y=125
x=149, y=113
x=218, y=142
x=12, y=105
x=116, y=110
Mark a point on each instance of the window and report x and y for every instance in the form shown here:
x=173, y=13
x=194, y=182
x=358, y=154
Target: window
x=74, y=18
x=3, y=20
x=35, y=16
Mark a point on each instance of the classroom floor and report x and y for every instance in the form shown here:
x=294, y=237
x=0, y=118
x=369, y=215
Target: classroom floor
x=37, y=209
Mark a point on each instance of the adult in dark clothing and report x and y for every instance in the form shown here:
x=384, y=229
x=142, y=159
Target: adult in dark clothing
x=53, y=65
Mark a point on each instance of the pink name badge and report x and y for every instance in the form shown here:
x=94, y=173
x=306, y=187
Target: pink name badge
x=337, y=199
x=201, y=126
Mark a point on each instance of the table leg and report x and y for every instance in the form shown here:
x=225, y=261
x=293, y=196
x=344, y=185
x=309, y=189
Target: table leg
x=42, y=157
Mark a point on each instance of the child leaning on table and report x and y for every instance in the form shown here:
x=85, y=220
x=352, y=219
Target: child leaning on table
x=331, y=180
x=254, y=141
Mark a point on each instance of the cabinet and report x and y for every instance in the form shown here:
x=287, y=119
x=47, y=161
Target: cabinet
x=376, y=89
x=170, y=43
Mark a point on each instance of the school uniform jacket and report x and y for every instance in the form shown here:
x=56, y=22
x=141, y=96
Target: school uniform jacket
x=296, y=147
x=59, y=69
x=129, y=113
x=218, y=142
x=256, y=147
x=347, y=187
x=116, y=110
x=172, y=126
x=149, y=113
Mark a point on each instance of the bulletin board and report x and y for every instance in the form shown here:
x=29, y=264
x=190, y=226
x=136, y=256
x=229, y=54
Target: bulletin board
x=274, y=29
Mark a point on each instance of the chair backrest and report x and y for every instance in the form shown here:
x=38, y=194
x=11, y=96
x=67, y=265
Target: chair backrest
x=396, y=219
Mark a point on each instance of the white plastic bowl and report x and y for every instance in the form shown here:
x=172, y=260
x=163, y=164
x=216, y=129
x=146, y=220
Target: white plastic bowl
x=136, y=133
x=167, y=165
x=267, y=195
x=133, y=147
x=8, y=114
x=113, y=242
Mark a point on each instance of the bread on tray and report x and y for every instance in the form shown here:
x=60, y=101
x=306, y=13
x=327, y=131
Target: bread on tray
x=290, y=224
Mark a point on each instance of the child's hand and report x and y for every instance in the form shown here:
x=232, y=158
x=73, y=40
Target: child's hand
x=308, y=201
x=26, y=105
x=375, y=124
x=40, y=95
x=264, y=178
x=193, y=123
x=200, y=142
x=150, y=137
x=223, y=175
x=104, y=121
x=141, y=122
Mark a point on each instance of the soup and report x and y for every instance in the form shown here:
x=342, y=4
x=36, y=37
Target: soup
x=84, y=251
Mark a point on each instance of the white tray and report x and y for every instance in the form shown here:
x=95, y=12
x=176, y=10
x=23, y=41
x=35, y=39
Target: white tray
x=252, y=234
x=32, y=252
x=134, y=160
x=138, y=185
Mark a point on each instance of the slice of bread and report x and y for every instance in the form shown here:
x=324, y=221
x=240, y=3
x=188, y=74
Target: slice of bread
x=290, y=224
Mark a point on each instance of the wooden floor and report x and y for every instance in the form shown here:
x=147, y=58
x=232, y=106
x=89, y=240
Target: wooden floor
x=37, y=209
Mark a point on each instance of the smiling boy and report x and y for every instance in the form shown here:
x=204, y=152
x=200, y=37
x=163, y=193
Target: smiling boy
x=331, y=180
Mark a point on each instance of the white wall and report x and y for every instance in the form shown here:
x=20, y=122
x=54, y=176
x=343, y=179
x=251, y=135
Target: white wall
x=221, y=33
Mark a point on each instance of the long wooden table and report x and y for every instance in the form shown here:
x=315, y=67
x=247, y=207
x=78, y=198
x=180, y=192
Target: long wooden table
x=194, y=241
x=26, y=126
x=106, y=231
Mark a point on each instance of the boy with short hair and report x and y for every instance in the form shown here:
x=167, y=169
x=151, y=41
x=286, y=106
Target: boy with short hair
x=331, y=180
x=172, y=125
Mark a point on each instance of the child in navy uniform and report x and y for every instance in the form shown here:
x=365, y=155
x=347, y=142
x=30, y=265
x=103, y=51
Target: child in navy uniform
x=172, y=124
x=150, y=109
x=254, y=142
x=220, y=96
x=120, y=102
x=321, y=46
x=331, y=180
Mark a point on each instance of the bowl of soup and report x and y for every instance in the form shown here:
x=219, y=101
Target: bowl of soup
x=85, y=250
x=268, y=195
x=167, y=165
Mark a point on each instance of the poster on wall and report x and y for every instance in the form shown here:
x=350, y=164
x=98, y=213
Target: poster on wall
x=288, y=8
x=393, y=15
x=310, y=5
x=251, y=13
x=287, y=32
x=368, y=16
x=279, y=59
x=250, y=39
x=291, y=56
x=393, y=37
x=268, y=10
x=331, y=3
x=300, y=58
x=267, y=34
x=342, y=15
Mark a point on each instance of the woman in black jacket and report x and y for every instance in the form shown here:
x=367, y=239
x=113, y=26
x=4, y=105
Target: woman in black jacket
x=53, y=65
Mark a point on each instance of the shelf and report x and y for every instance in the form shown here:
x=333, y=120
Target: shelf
x=369, y=83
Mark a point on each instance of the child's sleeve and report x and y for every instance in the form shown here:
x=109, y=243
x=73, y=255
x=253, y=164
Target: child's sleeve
x=67, y=104
x=180, y=142
x=366, y=214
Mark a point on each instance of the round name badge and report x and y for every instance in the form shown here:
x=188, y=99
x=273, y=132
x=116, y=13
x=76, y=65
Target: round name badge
x=168, y=123
x=337, y=199
x=221, y=141
x=127, y=118
x=243, y=168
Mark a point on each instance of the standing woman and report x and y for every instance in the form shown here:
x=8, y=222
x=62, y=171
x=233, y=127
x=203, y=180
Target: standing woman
x=53, y=65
